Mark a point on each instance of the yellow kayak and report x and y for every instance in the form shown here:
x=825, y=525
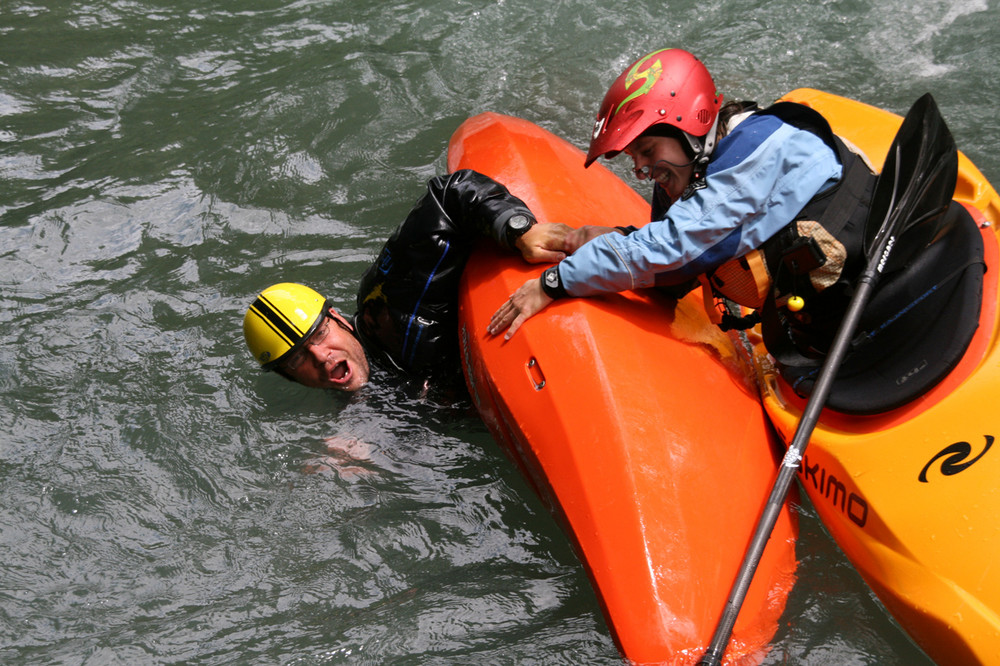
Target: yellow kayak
x=912, y=495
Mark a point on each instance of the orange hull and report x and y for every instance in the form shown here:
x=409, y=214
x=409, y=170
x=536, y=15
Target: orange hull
x=632, y=416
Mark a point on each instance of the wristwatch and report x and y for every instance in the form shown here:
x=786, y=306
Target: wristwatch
x=515, y=227
x=552, y=284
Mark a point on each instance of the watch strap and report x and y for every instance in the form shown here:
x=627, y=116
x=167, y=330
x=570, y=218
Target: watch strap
x=511, y=234
x=552, y=284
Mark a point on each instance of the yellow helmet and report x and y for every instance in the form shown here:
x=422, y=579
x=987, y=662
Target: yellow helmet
x=280, y=320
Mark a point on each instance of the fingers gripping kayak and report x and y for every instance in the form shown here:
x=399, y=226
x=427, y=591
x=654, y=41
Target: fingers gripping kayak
x=528, y=300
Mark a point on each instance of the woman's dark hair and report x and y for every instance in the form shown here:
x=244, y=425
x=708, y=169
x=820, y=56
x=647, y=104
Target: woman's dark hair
x=726, y=113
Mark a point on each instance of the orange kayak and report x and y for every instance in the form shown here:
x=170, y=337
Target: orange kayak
x=912, y=495
x=632, y=416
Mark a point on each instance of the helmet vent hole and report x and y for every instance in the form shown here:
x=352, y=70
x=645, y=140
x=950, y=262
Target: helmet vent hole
x=704, y=116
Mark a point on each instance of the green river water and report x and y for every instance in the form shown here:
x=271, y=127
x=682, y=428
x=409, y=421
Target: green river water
x=161, y=162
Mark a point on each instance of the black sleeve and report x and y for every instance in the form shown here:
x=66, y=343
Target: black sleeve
x=407, y=301
x=659, y=205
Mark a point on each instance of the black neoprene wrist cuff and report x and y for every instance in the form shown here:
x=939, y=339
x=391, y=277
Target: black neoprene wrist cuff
x=551, y=284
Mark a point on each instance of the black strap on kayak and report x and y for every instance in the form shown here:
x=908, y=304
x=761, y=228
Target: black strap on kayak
x=735, y=322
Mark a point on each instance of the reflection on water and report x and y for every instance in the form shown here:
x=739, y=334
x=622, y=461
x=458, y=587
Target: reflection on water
x=160, y=163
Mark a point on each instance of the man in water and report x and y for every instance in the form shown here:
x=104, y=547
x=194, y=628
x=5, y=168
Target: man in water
x=407, y=317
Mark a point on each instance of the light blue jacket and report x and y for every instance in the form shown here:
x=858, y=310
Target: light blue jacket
x=760, y=176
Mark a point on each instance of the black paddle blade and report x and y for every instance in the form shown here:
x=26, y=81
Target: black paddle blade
x=915, y=187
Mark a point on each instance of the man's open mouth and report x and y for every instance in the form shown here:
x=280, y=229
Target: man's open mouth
x=340, y=371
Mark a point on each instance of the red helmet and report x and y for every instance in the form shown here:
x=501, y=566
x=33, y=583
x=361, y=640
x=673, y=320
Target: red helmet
x=668, y=86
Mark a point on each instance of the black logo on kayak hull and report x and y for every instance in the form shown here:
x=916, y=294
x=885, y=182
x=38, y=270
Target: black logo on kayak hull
x=956, y=458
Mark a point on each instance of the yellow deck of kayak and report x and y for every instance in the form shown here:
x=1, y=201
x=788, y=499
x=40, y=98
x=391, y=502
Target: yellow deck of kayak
x=912, y=496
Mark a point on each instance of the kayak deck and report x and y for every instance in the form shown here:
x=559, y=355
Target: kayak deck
x=630, y=414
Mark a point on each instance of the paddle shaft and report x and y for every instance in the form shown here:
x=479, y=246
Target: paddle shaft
x=790, y=464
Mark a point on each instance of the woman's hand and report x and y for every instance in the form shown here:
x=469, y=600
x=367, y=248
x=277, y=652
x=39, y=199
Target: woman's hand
x=544, y=242
x=584, y=234
x=528, y=300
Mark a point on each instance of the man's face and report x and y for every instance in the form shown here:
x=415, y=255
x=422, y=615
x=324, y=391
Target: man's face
x=331, y=358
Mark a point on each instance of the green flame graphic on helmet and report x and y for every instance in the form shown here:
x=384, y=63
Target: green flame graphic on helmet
x=650, y=75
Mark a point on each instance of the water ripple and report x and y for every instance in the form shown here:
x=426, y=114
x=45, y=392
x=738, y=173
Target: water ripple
x=161, y=163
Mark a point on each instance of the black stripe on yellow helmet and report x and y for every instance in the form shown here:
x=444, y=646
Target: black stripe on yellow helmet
x=281, y=325
x=280, y=320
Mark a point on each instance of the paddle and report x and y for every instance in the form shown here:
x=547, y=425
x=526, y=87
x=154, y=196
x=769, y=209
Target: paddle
x=916, y=186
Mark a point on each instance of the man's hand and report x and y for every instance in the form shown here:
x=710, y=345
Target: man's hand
x=346, y=457
x=544, y=243
x=577, y=237
x=523, y=303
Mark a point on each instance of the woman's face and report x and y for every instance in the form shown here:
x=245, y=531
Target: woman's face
x=663, y=160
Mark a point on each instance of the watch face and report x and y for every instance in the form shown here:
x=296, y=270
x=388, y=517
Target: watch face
x=518, y=222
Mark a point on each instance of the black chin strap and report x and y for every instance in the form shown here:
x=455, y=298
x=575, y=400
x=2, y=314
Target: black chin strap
x=703, y=149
